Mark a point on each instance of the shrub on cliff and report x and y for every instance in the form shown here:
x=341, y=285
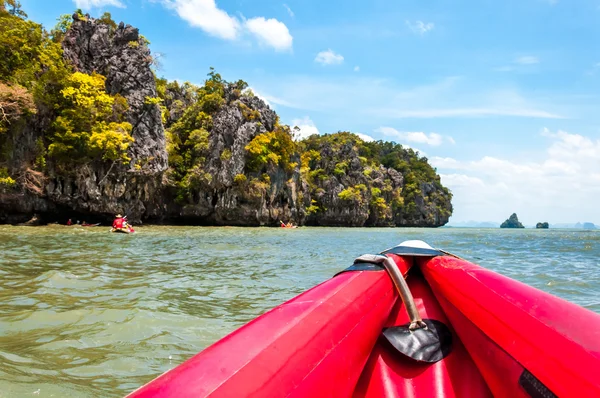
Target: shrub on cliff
x=188, y=138
x=32, y=73
x=91, y=122
x=274, y=148
x=6, y=181
x=15, y=102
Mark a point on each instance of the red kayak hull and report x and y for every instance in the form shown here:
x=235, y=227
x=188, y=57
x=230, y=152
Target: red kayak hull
x=507, y=337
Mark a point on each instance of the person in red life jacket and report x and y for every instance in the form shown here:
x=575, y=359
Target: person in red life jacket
x=69, y=222
x=119, y=222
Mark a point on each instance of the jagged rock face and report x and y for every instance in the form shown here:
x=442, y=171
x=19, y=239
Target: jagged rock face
x=97, y=190
x=177, y=100
x=124, y=59
x=359, y=195
x=349, y=191
x=223, y=201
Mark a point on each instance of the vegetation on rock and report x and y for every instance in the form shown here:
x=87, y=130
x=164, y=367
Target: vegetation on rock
x=512, y=222
x=542, y=225
x=90, y=123
x=230, y=159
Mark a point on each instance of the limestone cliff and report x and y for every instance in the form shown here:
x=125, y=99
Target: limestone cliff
x=224, y=191
x=350, y=185
x=123, y=56
x=209, y=155
x=98, y=188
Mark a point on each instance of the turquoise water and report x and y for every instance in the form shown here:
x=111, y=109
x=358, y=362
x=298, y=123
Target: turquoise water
x=91, y=314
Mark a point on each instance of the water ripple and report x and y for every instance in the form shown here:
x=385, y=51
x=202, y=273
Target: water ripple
x=88, y=313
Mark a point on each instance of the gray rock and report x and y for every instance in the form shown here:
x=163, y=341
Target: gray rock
x=125, y=60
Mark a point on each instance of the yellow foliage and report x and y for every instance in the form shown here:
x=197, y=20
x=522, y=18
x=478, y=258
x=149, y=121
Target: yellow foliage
x=110, y=141
x=5, y=180
x=87, y=92
x=275, y=147
x=198, y=141
x=86, y=127
x=240, y=179
x=226, y=154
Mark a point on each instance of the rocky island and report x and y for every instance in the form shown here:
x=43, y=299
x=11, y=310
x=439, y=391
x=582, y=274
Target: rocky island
x=512, y=222
x=87, y=129
x=542, y=225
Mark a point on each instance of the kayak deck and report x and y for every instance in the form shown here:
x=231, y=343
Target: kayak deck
x=508, y=339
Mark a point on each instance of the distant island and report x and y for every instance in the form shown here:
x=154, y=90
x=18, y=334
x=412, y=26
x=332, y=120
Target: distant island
x=493, y=224
x=512, y=222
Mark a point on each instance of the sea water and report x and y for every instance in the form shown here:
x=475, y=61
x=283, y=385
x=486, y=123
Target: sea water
x=87, y=313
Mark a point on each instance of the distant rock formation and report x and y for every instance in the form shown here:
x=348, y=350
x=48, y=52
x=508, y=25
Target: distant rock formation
x=512, y=222
x=589, y=225
x=542, y=225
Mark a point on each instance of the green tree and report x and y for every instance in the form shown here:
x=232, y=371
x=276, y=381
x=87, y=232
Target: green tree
x=63, y=24
x=88, y=126
x=106, y=19
x=13, y=7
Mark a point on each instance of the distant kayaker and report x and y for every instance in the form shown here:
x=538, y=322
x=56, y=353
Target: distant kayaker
x=119, y=222
x=69, y=222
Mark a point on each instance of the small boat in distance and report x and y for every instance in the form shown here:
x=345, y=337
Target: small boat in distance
x=129, y=230
x=412, y=321
x=288, y=225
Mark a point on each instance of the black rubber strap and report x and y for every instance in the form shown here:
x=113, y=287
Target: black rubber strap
x=534, y=387
x=362, y=267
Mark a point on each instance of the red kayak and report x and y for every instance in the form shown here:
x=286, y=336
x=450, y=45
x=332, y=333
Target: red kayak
x=411, y=322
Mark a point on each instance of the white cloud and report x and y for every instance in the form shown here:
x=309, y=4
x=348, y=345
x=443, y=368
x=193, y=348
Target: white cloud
x=329, y=57
x=289, y=10
x=270, y=32
x=420, y=27
x=562, y=186
x=205, y=14
x=303, y=128
x=364, y=137
x=357, y=68
x=519, y=64
x=527, y=60
x=432, y=139
x=387, y=100
x=469, y=112
x=88, y=4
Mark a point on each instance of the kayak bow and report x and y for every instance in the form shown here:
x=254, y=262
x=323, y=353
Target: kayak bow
x=452, y=329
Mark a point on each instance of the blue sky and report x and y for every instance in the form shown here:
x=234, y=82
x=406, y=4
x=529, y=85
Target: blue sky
x=501, y=96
